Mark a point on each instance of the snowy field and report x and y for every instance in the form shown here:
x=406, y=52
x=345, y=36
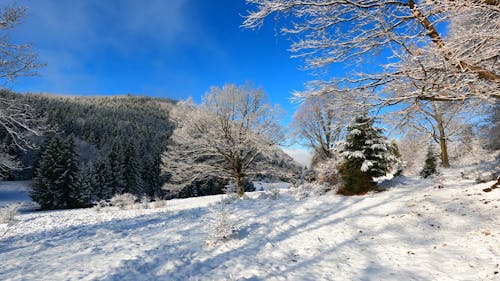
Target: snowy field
x=413, y=231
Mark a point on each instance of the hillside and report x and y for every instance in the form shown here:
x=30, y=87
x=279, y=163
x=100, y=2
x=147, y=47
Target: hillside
x=414, y=231
x=120, y=142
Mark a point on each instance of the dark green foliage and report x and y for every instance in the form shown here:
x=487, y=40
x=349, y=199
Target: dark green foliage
x=367, y=155
x=89, y=185
x=57, y=182
x=117, y=169
x=120, y=141
x=354, y=180
x=430, y=164
x=395, y=163
x=132, y=170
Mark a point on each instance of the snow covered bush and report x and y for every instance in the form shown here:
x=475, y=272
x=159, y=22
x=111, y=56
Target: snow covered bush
x=101, y=204
x=366, y=154
x=8, y=213
x=328, y=173
x=123, y=201
x=271, y=193
x=308, y=189
x=144, y=202
x=221, y=227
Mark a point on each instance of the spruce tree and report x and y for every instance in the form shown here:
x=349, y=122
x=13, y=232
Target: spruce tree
x=117, y=169
x=89, y=184
x=430, y=164
x=104, y=188
x=132, y=170
x=56, y=183
x=70, y=175
x=45, y=191
x=366, y=153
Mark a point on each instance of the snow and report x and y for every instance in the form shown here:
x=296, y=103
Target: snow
x=413, y=231
x=353, y=154
x=367, y=164
x=263, y=186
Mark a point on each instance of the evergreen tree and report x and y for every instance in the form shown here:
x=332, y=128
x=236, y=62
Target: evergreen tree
x=104, y=188
x=430, y=164
x=132, y=170
x=366, y=153
x=56, y=183
x=153, y=180
x=89, y=184
x=117, y=169
x=68, y=172
x=45, y=191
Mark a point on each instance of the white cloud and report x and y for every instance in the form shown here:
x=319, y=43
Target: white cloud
x=81, y=25
x=303, y=156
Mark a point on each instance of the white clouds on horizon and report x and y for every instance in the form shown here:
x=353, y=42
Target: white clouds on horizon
x=301, y=155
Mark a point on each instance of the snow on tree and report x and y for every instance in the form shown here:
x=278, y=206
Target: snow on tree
x=15, y=59
x=18, y=124
x=366, y=154
x=320, y=121
x=430, y=164
x=440, y=121
x=227, y=135
x=325, y=32
x=16, y=118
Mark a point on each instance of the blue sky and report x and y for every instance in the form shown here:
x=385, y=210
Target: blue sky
x=174, y=48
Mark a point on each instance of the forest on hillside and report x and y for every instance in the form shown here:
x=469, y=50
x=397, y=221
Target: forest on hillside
x=96, y=147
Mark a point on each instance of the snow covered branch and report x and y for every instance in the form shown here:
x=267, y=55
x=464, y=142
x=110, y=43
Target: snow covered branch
x=332, y=31
x=232, y=130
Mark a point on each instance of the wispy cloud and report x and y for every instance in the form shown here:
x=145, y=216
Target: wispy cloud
x=303, y=156
x=124, y=24
x=70, y=36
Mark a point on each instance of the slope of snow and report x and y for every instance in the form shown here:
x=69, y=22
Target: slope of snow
x=413, y=231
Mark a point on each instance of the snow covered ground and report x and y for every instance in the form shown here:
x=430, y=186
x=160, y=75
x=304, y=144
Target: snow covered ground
x=413, y=231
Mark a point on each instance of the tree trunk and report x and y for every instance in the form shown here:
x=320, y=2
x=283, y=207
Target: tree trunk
x=239, y=185
x=445, y=162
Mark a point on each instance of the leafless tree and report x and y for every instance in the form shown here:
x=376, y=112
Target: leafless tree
x=332, y=31
x=320, y=121
x=17, y=123
x=226, y=135
x=441, y=121
x=15, y=59
x=16, y=118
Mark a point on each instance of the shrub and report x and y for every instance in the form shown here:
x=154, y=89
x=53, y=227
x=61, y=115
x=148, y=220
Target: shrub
x=144, y=202
x=99, y=205
x=123, y=200
x=8, y=213
x=328, y=173
x=221, y=228
x=307, y=189
x=272, y=193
